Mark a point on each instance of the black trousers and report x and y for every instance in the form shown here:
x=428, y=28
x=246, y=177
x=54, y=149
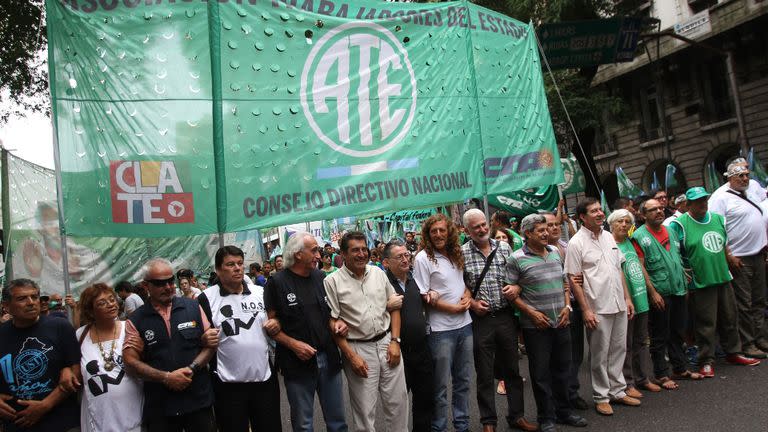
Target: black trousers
x=667, y=330
x=549, y=362
x=496, y=335
x=417, y=362
x=196, y=421
x=577, y=350
x=241, y=407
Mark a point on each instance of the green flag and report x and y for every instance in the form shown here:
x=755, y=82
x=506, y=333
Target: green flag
x=670, y=182
x=523, y=203
x=626, y=187
x=714, y=179
x=177, y=118
x=604, y=204
x=575, y=181
x=756, y=168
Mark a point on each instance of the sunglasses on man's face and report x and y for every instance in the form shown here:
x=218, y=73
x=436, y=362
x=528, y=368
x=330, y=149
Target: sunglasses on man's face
x=161, y=282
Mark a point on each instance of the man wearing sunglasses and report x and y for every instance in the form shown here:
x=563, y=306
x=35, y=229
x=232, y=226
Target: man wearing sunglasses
x=165, y=347
x=747, y=240
x=417, y=358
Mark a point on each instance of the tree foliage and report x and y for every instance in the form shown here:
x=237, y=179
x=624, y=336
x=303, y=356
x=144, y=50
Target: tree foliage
x=23, y=79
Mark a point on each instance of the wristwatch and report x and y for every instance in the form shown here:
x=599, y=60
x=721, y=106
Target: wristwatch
x=569, y=308
x=194, y=366
x=397, y=340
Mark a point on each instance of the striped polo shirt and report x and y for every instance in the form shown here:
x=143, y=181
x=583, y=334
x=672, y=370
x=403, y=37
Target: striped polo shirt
x=541, y=280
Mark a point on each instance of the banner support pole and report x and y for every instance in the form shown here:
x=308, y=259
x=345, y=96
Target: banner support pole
x=6, y=211
x=60, y=204
x=485, y=209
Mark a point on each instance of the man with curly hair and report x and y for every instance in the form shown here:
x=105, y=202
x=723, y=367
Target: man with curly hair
x=439, y=267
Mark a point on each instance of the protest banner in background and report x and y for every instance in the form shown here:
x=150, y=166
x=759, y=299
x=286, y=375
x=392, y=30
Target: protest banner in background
x=183, y=118
x=34, y=247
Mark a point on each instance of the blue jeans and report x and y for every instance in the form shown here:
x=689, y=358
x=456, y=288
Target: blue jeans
x=301, y=389
x=452, y=357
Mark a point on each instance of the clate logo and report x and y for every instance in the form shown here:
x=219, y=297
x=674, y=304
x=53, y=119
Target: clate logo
x=148, y=192
x=358, y=89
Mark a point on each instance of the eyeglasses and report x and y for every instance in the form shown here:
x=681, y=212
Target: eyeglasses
x=101, y=304
x=402, y=257
x=161, y=282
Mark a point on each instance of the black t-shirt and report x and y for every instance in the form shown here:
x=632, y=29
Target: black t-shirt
x=305, y=290
x=31, y=360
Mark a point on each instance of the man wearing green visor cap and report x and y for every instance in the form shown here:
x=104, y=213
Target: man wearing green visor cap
x=703, y=242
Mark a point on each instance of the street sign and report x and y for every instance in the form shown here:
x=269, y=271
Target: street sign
x=589, y=43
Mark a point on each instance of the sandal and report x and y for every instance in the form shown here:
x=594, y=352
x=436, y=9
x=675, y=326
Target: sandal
x=667, y=383
x=687, y=375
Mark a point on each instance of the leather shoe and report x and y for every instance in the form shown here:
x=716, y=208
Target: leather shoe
x=752, y=352
x=762, y=345
x=523, y=425
x=579, y=403
x=573, y=420
x=604, y=408
x=548, y=427
x=633, y=393
x=628, y=401
x=738, y=359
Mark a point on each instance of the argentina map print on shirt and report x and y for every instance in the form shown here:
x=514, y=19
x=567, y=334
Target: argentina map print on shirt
x=23, y=372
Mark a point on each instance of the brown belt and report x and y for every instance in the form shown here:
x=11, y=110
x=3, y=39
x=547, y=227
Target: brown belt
x=376, y=338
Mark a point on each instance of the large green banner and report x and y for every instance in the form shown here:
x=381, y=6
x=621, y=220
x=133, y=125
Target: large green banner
x=182, y=118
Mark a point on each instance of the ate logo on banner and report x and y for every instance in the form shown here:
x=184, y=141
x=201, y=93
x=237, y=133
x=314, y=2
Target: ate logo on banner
x=148, y=192
x=358, y=89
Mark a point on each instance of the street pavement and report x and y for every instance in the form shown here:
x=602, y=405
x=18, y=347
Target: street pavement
x=735, y=400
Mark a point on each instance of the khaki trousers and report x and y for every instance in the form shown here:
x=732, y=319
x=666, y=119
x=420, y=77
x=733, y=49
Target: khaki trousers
x=382, y=379
x=607, y=351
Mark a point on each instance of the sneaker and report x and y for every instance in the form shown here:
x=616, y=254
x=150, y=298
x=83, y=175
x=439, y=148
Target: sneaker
x=754, y=353
x=738, y=359
x=707, y=371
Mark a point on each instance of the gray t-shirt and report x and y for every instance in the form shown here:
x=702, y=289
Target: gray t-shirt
x=132, y=303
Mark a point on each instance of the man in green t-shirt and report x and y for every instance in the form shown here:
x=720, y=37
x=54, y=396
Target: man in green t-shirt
x=666, y=281
x=703, y=239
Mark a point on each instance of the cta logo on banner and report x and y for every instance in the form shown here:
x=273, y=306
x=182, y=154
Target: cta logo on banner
x=358, y=89
x=149, y=192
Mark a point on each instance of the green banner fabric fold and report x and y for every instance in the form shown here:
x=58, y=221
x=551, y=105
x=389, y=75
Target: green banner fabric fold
x=186, y=118
x=523, y=203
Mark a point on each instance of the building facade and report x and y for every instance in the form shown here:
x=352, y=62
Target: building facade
x=686, y=107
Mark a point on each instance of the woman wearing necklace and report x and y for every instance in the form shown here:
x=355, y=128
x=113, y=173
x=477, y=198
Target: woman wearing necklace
x=112, y=401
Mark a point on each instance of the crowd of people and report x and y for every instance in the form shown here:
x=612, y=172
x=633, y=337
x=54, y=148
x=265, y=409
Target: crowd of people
x=647, y=287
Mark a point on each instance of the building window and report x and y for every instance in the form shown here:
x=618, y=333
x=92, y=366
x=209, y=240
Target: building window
x=649, y=128
x=716, y=99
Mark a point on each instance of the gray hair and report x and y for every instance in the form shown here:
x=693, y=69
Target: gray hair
x=469, y=214
x=293, y=246
x=620, y=214
x=529, y=222
x=149, y=265
x=387, y=253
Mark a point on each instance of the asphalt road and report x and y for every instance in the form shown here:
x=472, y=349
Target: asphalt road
x=735, y=400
